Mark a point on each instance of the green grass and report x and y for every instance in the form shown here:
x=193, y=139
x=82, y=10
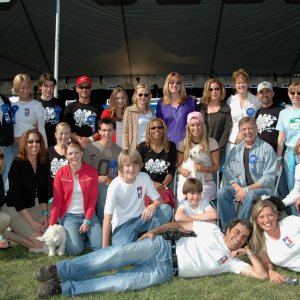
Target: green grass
x=18, y=265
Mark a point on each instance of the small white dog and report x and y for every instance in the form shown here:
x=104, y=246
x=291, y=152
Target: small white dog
x=54, y=236
x=197, y=155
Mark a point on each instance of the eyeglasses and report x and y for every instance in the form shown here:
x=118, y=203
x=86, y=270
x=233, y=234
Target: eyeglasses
x=34, y=141
x=174, y=82
x=84, y=87
x=156, y=127
x=295, y=93
x=141, y=95
x=214, y=89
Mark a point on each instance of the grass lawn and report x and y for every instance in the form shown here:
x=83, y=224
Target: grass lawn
x=16, y=282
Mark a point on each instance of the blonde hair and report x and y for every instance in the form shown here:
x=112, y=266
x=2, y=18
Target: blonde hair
x=166, y=92
x=258, y=242
x=129, y=156
x=294, y=86
x=141, y=86
x=188, y=141
x=60, y=126
x=17, y=81
x=164, y=140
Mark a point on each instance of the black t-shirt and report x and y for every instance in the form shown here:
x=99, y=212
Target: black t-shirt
x=266, y=120
x=79, y=116
x=53, y=114
x=158, y=165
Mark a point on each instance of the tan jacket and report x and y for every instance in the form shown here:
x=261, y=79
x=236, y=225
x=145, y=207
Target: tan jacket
x=130, y=127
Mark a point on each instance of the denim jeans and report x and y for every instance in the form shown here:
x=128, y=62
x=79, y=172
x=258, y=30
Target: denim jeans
x=75, y=243
x=226, y=205
x=10, y=152
x=101, y=201
x=152, y=262
x=128, y=232
x=290, y=160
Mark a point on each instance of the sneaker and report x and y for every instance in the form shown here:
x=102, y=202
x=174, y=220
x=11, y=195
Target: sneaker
x=46, y=273
x=49, y=288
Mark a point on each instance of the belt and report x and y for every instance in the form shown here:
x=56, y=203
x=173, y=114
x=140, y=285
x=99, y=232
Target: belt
x=174, y=258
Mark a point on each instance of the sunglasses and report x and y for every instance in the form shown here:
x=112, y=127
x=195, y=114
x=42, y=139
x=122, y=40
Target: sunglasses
x=214, y=89
x=34, y=141
x=174, y=82
x=84, y=87
x=141, y=95
x=156, y=127
x=295, y=93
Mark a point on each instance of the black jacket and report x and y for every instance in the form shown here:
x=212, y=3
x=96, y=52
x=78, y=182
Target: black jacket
x=23, y=184
x=6, y=128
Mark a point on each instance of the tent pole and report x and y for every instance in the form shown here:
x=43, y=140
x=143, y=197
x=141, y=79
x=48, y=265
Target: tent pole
x=56, y=54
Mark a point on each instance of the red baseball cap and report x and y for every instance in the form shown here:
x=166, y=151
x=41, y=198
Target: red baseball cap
x=82, y=79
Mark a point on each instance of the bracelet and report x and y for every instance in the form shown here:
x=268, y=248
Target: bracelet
x=246, y=188
x=91, y=138
x=279, y=157
x=45, y=212
x=2, y=238
x=87, y=222
x=249, y=253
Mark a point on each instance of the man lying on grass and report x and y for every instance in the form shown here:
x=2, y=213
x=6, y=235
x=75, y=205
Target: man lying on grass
x=155, y=259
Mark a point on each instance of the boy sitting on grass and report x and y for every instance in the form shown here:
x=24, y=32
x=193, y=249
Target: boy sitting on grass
x=194, y=207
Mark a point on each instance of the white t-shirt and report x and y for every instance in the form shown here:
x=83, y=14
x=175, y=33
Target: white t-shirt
x=119, y=129
x=202, y=207
x=29, y=114
x=126, y=201
x=206, y=254
x=142, y=126
x=76, y=205
x=285, y=252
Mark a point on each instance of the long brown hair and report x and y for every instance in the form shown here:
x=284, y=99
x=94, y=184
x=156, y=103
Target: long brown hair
x=23, y=141
x=164, y=141
x=112, y=102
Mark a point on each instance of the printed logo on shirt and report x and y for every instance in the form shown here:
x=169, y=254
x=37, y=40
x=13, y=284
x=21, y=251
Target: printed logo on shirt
x=27, y=112
x=158, y=166
x=49, y=115
x=222, y=260
x=81, y=117
x=139, y=191
x=266, y=122
x=288, y=242
x=56, y=164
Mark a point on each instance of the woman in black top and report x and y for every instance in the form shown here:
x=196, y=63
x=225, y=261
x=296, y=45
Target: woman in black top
x=27, y=197
x=159, y=158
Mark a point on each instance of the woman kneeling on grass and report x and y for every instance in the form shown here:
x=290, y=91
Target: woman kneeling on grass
x=275, y=239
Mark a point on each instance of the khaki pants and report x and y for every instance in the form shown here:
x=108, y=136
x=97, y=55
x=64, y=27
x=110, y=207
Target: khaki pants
x=19, y=224
x=4, y=222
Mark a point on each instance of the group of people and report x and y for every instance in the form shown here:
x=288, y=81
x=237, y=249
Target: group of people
x=107, y=176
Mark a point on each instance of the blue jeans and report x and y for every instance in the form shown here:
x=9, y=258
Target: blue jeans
x=10, y=152
x=226, y=205
x=290, y=160
x=75, y=243
x=152, y=261
x=101, y=201
x=128, y=232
